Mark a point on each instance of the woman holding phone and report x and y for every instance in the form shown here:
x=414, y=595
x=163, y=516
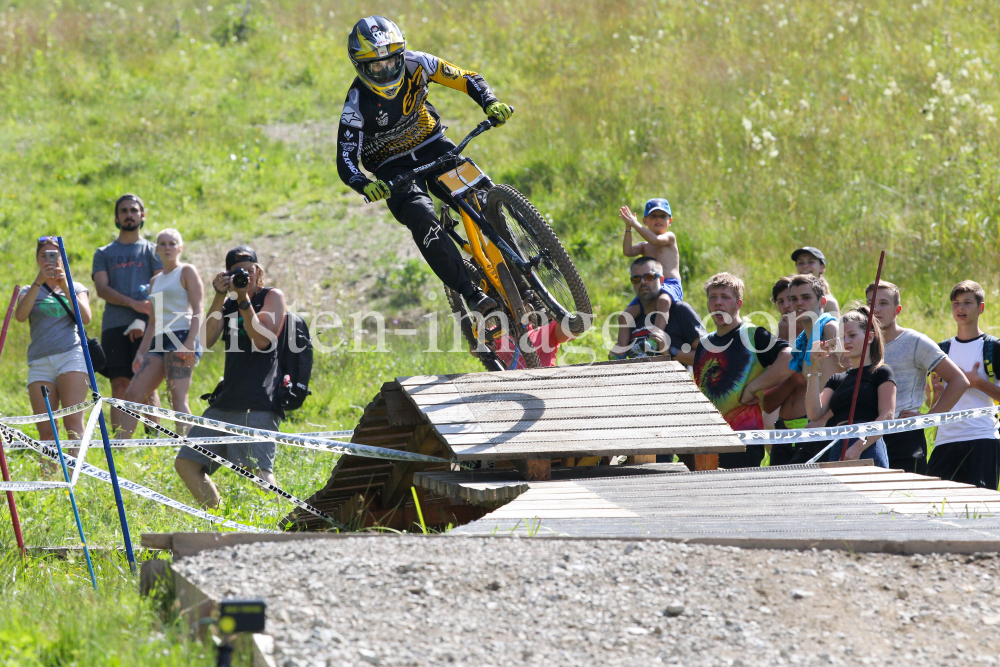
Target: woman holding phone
x=169, y=348
x=55, y=357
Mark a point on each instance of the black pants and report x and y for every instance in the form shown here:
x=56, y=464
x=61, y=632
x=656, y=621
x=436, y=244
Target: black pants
x=975, y=462
x=412, y=206
x=907, y=451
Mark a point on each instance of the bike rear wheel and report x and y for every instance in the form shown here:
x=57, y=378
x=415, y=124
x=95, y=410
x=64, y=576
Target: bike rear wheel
x=497, y=352
x=553, y=277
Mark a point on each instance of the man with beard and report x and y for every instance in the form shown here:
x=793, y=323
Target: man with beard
x=736, y=363
x=121, y=272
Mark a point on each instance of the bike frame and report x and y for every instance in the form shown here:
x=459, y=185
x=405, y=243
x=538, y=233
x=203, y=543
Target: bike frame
x=484, y=244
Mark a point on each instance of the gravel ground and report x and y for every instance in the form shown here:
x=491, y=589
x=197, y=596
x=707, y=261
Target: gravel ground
x=408, y=600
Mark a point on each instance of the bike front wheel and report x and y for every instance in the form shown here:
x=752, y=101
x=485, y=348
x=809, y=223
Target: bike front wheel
x=550, y=274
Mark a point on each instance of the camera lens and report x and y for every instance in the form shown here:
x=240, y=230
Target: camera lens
x=240, y=278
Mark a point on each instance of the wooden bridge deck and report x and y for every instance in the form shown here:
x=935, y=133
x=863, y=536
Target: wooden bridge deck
x=527, y=418
x=862, y=508
x=571, y=411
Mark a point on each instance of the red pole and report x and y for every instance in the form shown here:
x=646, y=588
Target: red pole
x=3, y=458
x=861, y=368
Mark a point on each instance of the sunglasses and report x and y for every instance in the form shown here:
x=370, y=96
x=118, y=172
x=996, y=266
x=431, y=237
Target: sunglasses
x=647, y=277
x=48, y=239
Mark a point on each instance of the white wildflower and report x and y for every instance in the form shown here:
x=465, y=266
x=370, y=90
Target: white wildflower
x=943, y=85
x=851, y=77
x=966, y=148
x=952, y=130
x=853, y=19
x=781, y=181
x=928, y=48
x=964, y=99
x=768, y=136
x=804, y=105
x=931, y=64
x=782, y=23
x=747, y=124
x=773, y=153
x=755, y=143
x=785, y=82
x=964, y=73
x=891, y=89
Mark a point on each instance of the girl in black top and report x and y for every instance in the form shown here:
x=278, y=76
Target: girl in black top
x=876, y=397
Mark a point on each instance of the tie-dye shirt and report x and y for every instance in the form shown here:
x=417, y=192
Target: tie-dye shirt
x=724, y=365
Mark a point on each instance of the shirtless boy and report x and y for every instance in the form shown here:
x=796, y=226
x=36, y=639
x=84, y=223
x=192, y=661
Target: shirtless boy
x=661, y=245
x=812, y=261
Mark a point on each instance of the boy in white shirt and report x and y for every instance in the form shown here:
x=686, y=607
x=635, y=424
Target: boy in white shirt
x=911, y=355
x=969, y=451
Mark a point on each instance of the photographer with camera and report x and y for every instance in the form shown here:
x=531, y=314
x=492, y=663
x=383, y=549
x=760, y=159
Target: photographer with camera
x=249, y=392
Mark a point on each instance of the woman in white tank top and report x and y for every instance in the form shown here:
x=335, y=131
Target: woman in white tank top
x=169, y=348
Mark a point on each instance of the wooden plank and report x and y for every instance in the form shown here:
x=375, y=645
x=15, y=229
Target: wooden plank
x=560, y=384
x=463, y=434
x=456, y=413
x=585, y=398
x=571, y=371
x=917, y=494
x=625, y=447
x=680, y=424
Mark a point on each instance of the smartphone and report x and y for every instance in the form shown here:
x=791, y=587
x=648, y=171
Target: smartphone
x=52, y=258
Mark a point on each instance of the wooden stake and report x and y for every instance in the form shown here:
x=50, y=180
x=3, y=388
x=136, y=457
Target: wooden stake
x=861, y=367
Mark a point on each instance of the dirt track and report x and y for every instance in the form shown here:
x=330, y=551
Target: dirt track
x=505, y=601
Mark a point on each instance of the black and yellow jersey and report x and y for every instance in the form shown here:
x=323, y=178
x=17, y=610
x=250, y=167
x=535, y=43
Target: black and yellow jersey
x=374, y=130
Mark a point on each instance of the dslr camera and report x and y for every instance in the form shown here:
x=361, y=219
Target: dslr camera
x=240, y=278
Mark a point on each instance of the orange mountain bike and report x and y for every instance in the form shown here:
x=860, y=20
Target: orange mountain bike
x=514, y=256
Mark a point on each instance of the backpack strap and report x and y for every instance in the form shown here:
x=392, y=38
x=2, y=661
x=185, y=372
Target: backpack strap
x=945, y=345
x=989, y=351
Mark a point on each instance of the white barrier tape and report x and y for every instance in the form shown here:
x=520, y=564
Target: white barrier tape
x=862, y=430
x=239, y=470
x=138, y=489
x=275, y=436
x=32, y=486
x=44, y=417
x=141, y=443
x=88, y=434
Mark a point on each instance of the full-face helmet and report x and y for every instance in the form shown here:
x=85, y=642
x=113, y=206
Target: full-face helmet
x=376, y=46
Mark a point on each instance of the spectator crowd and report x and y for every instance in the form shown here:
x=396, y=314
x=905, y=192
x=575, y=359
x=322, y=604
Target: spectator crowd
x=803, y=374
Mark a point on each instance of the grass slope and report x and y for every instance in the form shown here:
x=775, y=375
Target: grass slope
x=850, y=126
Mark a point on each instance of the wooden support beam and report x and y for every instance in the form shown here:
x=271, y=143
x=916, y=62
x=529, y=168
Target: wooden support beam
x=534, y=470
x=642, y=458
x=397, y=487
x=699, y=461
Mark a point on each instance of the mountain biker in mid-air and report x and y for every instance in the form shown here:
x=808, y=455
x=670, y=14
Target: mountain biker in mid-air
x=388, y=126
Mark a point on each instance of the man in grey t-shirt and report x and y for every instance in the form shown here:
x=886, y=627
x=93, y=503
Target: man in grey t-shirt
x=122, y=271
x=911, y=355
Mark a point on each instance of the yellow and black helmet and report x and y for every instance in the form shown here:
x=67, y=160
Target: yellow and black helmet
x=376, y=46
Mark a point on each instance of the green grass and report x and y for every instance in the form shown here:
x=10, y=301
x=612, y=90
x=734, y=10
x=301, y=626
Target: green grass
x=883, y=117
x=43, y=625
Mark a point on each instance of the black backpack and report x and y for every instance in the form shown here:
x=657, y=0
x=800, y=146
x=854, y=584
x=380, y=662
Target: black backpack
x=295, y=362
x=990, y=350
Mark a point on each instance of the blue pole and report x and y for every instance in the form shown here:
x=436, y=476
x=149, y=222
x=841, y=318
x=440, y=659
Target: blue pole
x=100, y=420
x=72, y=496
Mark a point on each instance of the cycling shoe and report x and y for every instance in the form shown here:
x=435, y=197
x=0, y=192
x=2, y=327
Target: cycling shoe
x=481, y=302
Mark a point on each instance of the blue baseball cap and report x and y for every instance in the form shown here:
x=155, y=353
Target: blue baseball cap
x=658, y=205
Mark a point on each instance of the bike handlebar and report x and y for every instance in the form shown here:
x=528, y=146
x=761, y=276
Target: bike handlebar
x=450, y=155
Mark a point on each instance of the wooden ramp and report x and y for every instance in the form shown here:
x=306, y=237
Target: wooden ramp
x=524, y=419
x=857, y=507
